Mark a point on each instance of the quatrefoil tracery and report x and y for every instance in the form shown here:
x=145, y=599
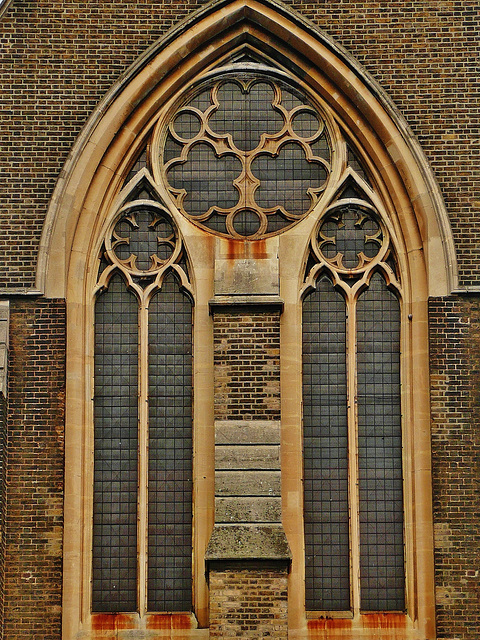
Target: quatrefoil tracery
x=141, y=242
x=349, y=239
x=351, y=244
x=246, y=149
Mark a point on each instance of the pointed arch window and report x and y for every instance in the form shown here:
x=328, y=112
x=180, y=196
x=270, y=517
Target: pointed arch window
x=326, y=144
x=353, y=492
x=142, y=508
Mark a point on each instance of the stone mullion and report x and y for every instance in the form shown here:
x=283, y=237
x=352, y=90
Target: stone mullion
x=352, y=408
x=142, y=456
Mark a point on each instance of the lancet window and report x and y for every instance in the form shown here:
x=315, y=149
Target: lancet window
x=142, y=507
x=353, y=479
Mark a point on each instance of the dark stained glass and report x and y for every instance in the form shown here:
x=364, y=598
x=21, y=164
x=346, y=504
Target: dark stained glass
x=116, y=450
x=327, y=562
x=170, y=450
x=380, y=450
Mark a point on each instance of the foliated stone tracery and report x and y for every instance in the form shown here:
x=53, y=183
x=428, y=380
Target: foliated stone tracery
x=247, y=156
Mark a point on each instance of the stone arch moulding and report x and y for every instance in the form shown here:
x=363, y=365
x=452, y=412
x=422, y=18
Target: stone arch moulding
x=275, y=30
x=90, y=187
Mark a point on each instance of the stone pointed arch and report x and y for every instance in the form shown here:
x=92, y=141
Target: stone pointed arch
x=275, y=30
x=90, y=188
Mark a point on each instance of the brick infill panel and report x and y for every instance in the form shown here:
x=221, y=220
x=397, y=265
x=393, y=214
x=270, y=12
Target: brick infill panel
x=248, y=603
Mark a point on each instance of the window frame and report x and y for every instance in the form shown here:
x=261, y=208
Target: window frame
x=84, y=193
x=415, y=432
x=351, y=297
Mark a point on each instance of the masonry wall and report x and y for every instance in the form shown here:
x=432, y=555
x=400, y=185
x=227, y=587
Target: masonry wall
x=455, y=378
x=249, y=603
x=33, y=570
x=3, y=495
x=248, y=578
x=247, y=365
x=60, y=57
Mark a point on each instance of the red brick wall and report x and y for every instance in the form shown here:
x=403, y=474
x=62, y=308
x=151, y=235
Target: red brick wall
x=62, y=56
x=248, y=603
x=455, y=376
x=247, y=365
x=3, y=487
x=33, y=570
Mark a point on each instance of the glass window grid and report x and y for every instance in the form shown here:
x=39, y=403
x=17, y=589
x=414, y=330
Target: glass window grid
x=379, y=446
x=170, y=450
x=116, y=450
x=115, y=543
x=326, y=510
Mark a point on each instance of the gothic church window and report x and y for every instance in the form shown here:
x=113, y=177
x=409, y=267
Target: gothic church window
x=353, y=491
x=142, y=511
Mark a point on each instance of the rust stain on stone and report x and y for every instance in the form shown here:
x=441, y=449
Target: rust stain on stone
x=181, y=621
x=323, y=624
x=103, y=622
x=384, y=621
x=367, y=621
x=235, y=249
x=168, y=621
x=242, y=249
x=158, y=622
x=111, y=622
x=259, y=249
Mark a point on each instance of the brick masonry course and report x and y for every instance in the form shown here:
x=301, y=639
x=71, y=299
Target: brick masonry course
x=455, y=384
x=248, y=604
x=247, y=365
x=34, y=524
x=60, y=58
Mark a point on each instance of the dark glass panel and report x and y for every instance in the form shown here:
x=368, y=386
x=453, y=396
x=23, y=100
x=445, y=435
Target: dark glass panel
x=170, y=450
x=325, y=450
x=208, y=180
x=356, y=164
x=246, y=222
x=285, y=179
x=116, y=450
x=306, y=124
x=350, y=235
x=246, y=115
x=380, y=450
x=144, y=239
x=187, y=125
x=290, y=100
x=140, y=164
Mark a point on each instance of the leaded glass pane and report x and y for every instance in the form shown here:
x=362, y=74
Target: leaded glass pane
x=116, y=450
x=170, y=450
x=325, y=450
x=380, y=450
x=248, y=149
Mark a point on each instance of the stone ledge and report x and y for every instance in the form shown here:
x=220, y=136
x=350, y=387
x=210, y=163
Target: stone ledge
x=237, y=432
x=231, y=304
x=248, y=542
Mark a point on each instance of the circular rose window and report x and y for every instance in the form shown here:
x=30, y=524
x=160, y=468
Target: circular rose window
x=246, y=156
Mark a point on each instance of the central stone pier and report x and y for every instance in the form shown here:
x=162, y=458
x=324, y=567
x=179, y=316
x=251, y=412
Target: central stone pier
x=248, y=556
